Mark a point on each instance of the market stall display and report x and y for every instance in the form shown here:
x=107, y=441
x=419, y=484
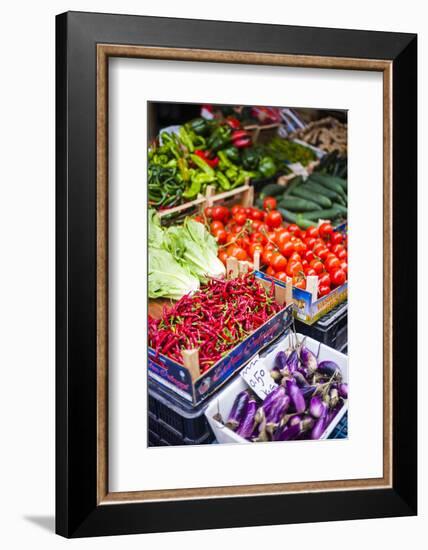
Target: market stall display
x=327, y=133
x=238, y=244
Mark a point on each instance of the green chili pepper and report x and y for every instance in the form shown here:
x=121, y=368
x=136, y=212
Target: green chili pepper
x=223, y=181
x=198, y=125
x=186, y=139
x=200, y=163
x=184, y=170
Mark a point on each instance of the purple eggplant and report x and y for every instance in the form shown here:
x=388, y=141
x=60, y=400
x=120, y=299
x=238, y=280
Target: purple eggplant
x=247, y=425
x=293, y=362
x=317, y=406
x=308, y=359
x=238, y=410
x=300, y=379
x=281, y=360
x=296, y=419
x=274, y=394
x=320, y=425
x=287, y=432
x=343, y=390
x=307, y=393
x=296, y=396
x=330, y=369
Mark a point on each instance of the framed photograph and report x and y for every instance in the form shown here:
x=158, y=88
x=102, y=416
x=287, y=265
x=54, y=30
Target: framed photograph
x=236, y=221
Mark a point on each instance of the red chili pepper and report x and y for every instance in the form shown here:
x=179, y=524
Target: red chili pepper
x=233, y=122
x=242, y=142
x=204, y=156
x=238, y=134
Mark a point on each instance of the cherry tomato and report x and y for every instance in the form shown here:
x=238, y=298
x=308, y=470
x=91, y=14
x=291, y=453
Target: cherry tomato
x=216, y=225
x=220, y=213
x=270, y=246
x=336, y=248
x=199, y=219
x=236, y=209
x=281, y=275
x=317, y=247
x=258, y=237
x=287, y=249
x=240, y=218
x=256, y=224
x=338, y=277
x=322, y=253
x=274, y=219
x=336, y=238
x=271, y=236
x=266, y=256
x=300, y=247
x=310, y=241
x=305, y=264
x=303, y=235
x=332, y=263
x=324, y=279
x=282, y=237
x=317, y=266
x=344, y=266
x=223, y=256
x=295, y=257
x=256, y=214
x=247, y=211
x=309, y=255
x=325, y=230
x=220, y=236
x=312, y=232
x=278, y=261
x=237, y=252
x=230, y=237
x=253, y=247
x=299, y=282
x=294, y=269
x=269, y=203
x=237, y=228
x=208, y=211
x=309, y=271
x=342, y=254
x=323, y=290
x=293, y=228
x=270, y=271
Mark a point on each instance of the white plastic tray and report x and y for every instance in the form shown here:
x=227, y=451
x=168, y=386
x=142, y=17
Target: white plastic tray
x=225, y=398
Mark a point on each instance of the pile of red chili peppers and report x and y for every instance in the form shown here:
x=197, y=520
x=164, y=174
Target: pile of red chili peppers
x=214, y=319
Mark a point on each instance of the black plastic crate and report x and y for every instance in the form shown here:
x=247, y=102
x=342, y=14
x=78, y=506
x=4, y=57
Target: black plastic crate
x=175, y=421
x=331, y=329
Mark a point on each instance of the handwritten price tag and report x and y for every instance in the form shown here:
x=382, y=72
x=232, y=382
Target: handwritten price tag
x=257, y=376
x=298, y=169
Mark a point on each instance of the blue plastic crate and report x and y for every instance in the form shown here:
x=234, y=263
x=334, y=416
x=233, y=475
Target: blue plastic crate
x=341, y=430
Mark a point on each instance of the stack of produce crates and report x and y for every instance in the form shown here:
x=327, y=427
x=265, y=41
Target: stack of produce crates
x=173, y=421
x=331, y=329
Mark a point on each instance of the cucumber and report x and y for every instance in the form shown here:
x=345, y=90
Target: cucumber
x=304, y=193
x=342, y=182
x=341, y=209
x=298, y=219
x=296, y=204
x=330, y=183
x=271, y=190
x=318, y=188
x=295, y=182
x=327, y=214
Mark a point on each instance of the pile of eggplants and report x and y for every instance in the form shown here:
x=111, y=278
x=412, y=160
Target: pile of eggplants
x=308, y=396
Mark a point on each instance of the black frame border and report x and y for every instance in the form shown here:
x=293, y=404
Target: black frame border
x=77, y=512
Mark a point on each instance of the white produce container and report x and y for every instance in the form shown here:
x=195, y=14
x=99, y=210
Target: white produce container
x=225, y=398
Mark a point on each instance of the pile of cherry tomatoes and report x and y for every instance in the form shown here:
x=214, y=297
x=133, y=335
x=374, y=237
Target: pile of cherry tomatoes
x=284, y=251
